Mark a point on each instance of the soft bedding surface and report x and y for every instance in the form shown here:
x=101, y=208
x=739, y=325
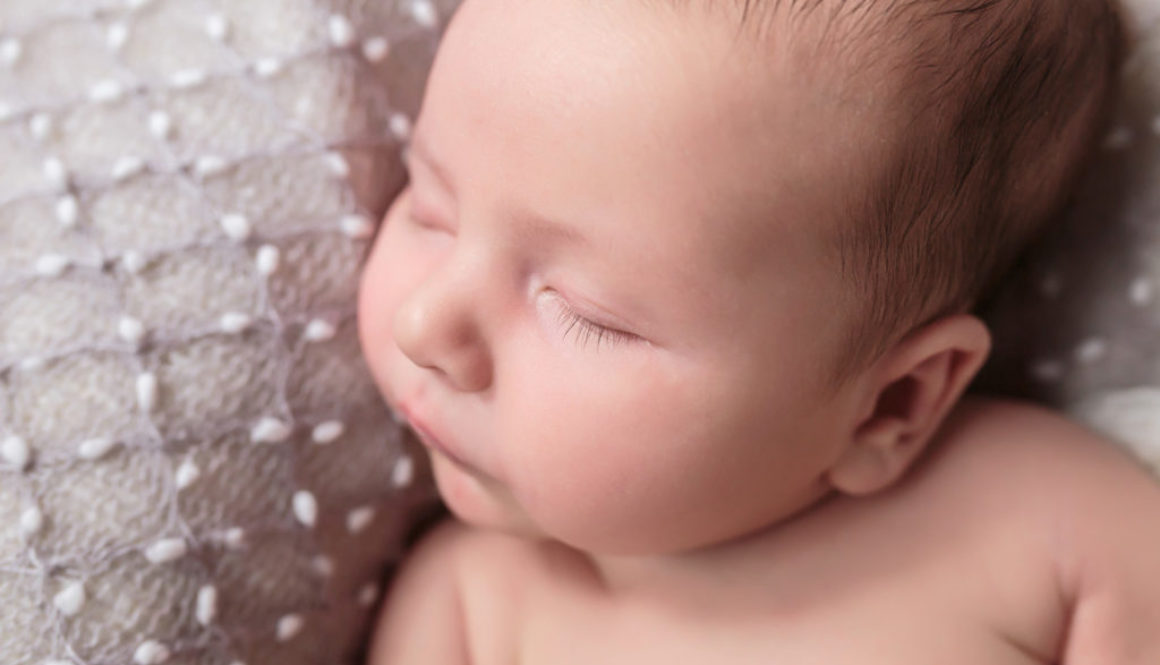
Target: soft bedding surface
x=194, y=464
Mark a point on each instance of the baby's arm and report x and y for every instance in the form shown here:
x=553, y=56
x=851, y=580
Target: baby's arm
x=1112, y=576
x=422, y=621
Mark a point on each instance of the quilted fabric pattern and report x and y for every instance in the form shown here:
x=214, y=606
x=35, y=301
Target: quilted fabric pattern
x=195, y=466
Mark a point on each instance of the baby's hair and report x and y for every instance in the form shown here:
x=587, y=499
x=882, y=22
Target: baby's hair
x=996, y=107
x=1008, y=99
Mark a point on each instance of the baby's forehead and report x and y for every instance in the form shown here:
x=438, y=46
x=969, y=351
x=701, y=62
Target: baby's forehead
x=698, y=141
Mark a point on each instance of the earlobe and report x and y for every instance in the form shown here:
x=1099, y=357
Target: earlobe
x=917, y=385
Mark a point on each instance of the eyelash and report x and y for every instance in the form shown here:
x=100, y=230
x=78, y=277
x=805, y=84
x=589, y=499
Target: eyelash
x=587, y=329
x=567, y=317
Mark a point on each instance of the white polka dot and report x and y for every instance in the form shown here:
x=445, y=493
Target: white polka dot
x=14, y=450
x=235, y=322
x=270, y=430
x=137, y=4
x=188, y=78
x=52, y=265
x=133, y=262
x=57, y=662
x=337, y=165
x=235, y=537
x=206, y=605
x=187, y=474
x=323, y=565
x=268, y=259
x=357, y=227
x=10, y=51
x=1051, y=285
x=31, y=521
x=208, y=166
x=127, y=167
x=359, y=519
x=305, y=507
x=116, y=35
x=1048, y=370
x=67, y=211
x=40, y=125
x=236, y=226
x=106, y=91
x=217, y=27
x=147, y=392
x=164, y=551
x=423, y=11
x=376, y=49
x=131, y=330
x=289, y=626
x=368, y=594
x=1119, y=138
x=328, y=432
x=94, y=449
x=340, y=30
x=31, y=363
x=160, y=124
x=319, y=330
x=267, y=67
x=400, y=126
x=151, y=653
x=70, y=599
x=55, y=172
x=1141, y=292
x=403, y=472
x=1091, y=350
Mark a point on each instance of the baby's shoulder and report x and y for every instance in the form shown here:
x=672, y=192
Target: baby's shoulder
x=1100, y=506
x=1024, y=448
x=1039, y=471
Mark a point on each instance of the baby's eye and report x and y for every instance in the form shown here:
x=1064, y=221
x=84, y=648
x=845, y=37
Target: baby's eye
x=586, y=329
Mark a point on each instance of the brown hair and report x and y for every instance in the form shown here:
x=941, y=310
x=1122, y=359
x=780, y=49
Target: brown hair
x=1004, y=102
x=996, y=107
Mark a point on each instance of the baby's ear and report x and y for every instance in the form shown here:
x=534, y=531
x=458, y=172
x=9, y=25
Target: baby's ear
x=912, y=389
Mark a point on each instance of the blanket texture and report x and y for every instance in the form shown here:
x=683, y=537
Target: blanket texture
x=194, y=464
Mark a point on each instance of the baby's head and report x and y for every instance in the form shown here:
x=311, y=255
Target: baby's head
x=669, y=272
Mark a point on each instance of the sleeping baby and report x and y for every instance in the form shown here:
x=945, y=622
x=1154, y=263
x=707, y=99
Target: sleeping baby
x=678, y=299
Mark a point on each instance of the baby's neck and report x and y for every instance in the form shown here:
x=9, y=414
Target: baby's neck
x=694, y=577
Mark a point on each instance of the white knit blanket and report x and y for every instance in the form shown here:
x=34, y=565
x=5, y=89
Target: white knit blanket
x=194, y=464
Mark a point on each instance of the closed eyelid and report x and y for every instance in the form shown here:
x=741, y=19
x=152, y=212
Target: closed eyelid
x=586, y=328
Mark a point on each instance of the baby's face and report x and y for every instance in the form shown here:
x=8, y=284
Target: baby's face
x=605, y=288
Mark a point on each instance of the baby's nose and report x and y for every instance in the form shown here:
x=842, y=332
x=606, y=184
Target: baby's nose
x=437, y=328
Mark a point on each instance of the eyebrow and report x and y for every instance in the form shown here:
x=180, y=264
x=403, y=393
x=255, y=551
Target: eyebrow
x=527, y=223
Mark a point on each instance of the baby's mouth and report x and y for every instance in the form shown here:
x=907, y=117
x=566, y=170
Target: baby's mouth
x=434, y=443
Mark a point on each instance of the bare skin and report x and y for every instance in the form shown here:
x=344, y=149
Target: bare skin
x=607, y=297
x=983, y=554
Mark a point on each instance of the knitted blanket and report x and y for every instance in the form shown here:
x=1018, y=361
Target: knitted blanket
x=194, y=464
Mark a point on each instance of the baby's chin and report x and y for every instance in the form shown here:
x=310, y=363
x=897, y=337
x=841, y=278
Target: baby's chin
x=479, y=501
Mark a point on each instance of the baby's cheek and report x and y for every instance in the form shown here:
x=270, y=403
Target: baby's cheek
x=585, y=470
x=372, y=296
